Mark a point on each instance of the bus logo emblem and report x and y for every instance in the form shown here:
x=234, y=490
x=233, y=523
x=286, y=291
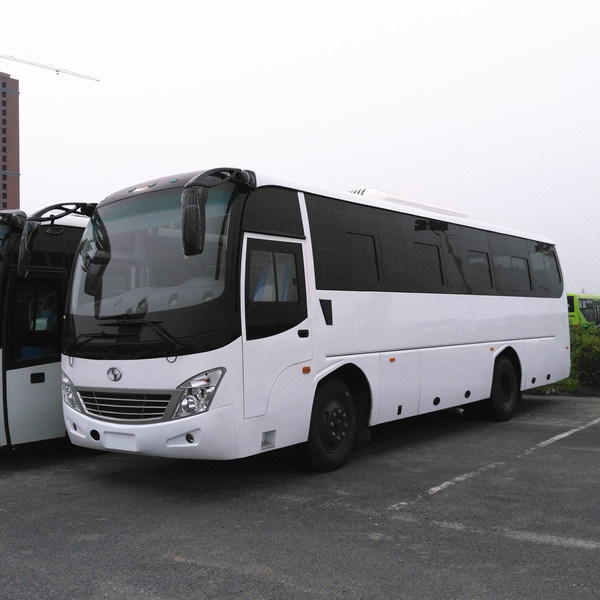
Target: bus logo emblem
x=114, y=374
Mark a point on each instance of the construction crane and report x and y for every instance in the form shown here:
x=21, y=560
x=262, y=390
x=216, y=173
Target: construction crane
x=57, y=70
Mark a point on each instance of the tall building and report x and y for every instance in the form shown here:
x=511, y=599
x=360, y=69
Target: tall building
x=9, y=155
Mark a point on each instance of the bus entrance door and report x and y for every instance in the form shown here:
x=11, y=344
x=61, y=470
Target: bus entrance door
x=276, y=324
x=31, y=357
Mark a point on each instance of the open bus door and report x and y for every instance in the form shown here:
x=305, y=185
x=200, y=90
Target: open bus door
x=34, y=273
x=31, y=355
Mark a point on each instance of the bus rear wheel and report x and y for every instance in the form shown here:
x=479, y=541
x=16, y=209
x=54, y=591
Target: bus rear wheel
x=332, y=426
x=504, y=396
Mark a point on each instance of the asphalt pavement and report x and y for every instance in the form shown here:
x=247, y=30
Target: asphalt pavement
x=434, y=507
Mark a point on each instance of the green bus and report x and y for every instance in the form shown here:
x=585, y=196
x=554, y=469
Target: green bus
x=584, y=310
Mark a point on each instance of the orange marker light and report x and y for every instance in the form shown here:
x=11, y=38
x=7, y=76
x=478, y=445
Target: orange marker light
x=305, y=370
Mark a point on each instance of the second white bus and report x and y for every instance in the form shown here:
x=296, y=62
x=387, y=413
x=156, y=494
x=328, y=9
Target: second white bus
x=221, y=314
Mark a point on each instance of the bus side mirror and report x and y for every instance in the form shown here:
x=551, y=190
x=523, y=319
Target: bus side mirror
x=193, y=219
x=25, y=247
x=96, y=266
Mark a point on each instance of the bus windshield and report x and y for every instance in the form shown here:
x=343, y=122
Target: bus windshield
x=133, y=289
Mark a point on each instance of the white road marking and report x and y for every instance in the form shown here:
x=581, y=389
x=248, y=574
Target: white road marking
x=552, y=540
x=471, y=474
x=524, y=536
x=561, y=436
x=463, y=477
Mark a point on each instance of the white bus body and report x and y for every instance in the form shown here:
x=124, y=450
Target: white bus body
x=318, y=314
x=31, y=321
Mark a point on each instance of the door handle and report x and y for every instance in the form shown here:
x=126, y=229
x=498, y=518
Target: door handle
x=303, y=333
x=37, y=377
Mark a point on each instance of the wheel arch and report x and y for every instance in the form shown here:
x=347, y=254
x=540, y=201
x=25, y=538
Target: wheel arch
x=511, y=354
x=355, y=378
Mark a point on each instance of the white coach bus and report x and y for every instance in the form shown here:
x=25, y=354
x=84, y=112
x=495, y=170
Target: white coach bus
x=36, y=254
x=220, y=314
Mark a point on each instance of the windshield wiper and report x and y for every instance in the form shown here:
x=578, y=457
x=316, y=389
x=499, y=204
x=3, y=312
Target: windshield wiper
x=86, y=338
x=156, y=326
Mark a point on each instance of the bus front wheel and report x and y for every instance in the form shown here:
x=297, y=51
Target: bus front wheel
x=504, y=396
x=332, y=426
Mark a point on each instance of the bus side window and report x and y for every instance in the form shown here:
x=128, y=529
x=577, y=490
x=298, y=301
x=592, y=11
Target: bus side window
x=34, y=323
x=511, y=265
x=427, y=267
x=479, y=272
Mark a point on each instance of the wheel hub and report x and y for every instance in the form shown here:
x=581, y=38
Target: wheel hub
x=335, y=427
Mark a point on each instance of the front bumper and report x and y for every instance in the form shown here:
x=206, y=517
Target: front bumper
x=209, y=436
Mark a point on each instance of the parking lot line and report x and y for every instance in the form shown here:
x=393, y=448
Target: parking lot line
x=552, y=540
x=490, y=466
x=463, y=477
x=561, y=436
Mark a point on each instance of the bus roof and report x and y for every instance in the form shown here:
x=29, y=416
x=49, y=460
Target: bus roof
x=397, y=203
x=385, y=200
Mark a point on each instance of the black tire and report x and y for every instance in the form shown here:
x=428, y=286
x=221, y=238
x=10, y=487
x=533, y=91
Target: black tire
x=504, y=396
x=332, y=426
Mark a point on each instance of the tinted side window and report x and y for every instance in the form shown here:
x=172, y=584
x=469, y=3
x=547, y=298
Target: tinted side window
x=521, y=274
x=275, y=211
x=394, y=231
x=511, y=265
x=553, y=274
x=358, y=247
x=427, y=267
x=426, y=257
x=362, y=256
x=479, y=270
x=331, y=272
x=35, y=318
x=345, y=244
x=546, y=270
x=467, y=260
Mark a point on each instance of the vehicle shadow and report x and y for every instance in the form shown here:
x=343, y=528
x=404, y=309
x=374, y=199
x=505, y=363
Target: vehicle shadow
x=42, y=454
x=270, y=469
x=277, y=467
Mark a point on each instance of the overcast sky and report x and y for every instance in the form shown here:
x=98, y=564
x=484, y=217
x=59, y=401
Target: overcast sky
x=488, y=107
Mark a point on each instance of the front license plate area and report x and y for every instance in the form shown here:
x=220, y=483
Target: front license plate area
x=120, y=441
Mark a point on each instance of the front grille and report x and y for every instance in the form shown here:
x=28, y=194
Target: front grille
x=125, y=406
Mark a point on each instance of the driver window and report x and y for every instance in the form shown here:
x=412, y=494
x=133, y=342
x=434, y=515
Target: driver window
x=275, y=289
x=273, y=277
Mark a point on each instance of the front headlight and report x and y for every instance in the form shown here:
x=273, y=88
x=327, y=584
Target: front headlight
x=69, y=395
x=198, y=393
